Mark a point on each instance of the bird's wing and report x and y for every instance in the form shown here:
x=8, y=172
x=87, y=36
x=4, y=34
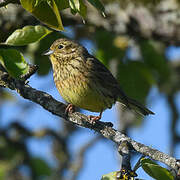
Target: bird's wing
x=106, y=83
x=101, y=75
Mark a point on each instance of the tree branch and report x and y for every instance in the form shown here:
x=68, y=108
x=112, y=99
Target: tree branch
x=105, y=129
x=6, y=2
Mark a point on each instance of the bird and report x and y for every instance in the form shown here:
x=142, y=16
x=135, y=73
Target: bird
x=84, y=82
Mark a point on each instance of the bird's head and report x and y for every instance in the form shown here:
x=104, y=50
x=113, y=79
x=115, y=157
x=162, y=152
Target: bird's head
x=64, y=47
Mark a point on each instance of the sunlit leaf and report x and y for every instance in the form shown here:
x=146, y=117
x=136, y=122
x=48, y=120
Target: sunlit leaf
x=78, y=6
x=26, y=35
x=14, y=62
x=45, y=11
x=55, y=9
x=110, y=176
x=74, y=5
x=155, y=171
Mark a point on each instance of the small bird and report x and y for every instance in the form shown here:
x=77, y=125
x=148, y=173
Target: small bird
x=83, y=81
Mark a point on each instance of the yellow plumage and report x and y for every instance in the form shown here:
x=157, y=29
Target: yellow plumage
x=79, y=90
x=85, y=82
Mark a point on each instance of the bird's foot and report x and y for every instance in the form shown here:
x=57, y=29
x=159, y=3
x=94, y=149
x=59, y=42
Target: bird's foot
x=94, y=119
x=69, y=109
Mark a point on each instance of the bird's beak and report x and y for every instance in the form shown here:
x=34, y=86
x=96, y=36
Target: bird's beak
x=48, y=52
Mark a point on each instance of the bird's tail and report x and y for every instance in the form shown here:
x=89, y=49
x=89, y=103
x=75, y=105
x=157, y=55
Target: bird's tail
x=137, y=107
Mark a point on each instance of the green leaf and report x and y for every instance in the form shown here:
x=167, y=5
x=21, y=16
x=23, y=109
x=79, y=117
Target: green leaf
x=78, y=6
x=46, y=11
x=97, y=4
x=39, y=167
x=27, y=35
x=14, y=62
x=110, y=176
x=55, y=9
x=83, y=9
x=37, y=2
x=155, y=171
x=62, y=4
x=155, y=61
x=135, y=79
x=74, y=5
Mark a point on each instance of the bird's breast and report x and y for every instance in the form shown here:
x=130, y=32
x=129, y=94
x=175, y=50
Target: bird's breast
x=77, y=86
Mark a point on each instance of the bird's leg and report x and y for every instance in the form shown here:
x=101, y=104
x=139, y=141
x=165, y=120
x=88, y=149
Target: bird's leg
x=93, y=119
x=69, y=109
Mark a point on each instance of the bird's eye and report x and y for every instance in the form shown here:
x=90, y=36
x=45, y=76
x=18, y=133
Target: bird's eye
x=60, y=46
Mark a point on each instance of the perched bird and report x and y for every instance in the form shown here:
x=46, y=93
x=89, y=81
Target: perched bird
x=83, y=81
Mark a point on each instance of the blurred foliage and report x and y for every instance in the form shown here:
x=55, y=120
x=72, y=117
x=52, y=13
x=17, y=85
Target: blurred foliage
x=149, y=27
x=35, y=51
x=106, y=50
x=136, y=79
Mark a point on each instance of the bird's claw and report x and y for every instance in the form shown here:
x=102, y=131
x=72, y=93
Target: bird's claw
x=93, y=119
x=69, y=109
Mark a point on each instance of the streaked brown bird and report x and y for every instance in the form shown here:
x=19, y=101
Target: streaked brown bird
x=83, y=81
